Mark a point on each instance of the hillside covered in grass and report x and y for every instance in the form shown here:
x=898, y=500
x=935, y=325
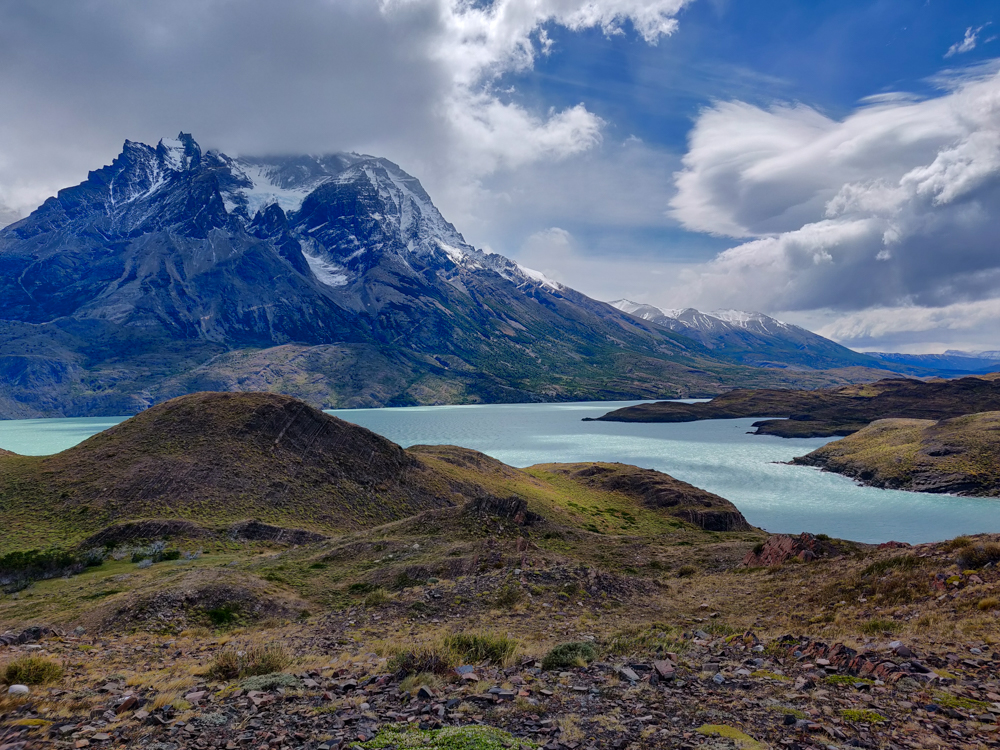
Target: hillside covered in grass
x=212, y=460
x=959, y=456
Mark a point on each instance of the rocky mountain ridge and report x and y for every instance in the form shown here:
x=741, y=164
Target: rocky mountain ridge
x=333, y=278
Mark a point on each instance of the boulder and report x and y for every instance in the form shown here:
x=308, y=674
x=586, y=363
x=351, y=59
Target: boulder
x=781, y=547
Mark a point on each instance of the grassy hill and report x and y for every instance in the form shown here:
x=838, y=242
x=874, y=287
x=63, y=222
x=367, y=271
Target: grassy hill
x=218, y=459
x=959, y=455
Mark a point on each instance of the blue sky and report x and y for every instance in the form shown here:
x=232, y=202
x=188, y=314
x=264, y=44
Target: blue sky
x=836, y=164
x=829, y=55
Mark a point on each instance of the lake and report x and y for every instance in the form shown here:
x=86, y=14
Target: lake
x=717, y=455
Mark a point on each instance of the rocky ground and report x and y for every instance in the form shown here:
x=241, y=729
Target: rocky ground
x=744, y=658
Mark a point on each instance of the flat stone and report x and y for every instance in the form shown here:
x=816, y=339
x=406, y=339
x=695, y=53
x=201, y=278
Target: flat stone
x=18, y=690
x=628, y=674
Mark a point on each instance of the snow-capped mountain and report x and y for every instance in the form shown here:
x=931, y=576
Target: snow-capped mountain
x=750, y=337
x=332, y=277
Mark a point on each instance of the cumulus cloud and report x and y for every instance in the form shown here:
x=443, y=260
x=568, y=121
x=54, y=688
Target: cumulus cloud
x=893, y=207
x=410, y=79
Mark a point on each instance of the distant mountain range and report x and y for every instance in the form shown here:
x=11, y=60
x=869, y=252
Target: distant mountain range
x=952, y=361
x=330, y=278
x=751, y=338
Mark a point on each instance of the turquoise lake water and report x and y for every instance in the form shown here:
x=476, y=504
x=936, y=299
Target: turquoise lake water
x=717, y=455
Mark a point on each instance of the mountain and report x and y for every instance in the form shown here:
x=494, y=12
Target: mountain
x=333, y=278
x=952, y=361
x=751, y=338
x=7, y=216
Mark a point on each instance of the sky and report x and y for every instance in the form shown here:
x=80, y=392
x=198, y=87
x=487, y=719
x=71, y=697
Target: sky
x=833, y=163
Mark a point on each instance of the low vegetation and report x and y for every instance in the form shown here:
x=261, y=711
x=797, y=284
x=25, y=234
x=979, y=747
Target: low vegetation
x=233, y=663
x=32, y=670
x=567, y=655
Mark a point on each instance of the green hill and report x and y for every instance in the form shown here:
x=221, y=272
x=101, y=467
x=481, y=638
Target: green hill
x=213, y=460
x=959, y=456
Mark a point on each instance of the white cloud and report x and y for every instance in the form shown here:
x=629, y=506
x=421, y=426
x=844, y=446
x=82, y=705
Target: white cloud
x=967, y=44
x=414, y=80
x=893, y=207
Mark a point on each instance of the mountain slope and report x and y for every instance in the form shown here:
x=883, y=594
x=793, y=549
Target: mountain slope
x=333, y=277
x=752, y=338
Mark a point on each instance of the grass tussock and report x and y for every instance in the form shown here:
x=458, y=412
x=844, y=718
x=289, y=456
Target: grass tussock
x=976, y=556
x=231, y=664
x=479, y=647
x=877, y=627
x=509, y=595
x=422, y=660
x=423, y=679
x=376, y=598
x=643, y=641
x=32, y=670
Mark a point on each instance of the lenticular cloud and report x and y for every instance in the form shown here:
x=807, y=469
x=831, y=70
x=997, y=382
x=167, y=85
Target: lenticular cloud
x=897, y=205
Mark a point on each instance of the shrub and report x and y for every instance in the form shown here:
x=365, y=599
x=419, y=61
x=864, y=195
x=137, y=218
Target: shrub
x=225, y=614
x=979, y=555
x=577, y=654
x=255, y=660
x=509, y=595
x=686, y=571
x=376, y=598
x=32, y=670
x=758, y=548
x=420, y=661
x=478, y=647
x=990, y=602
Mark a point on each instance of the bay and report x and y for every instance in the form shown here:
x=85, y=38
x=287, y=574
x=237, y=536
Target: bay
x=717, y=455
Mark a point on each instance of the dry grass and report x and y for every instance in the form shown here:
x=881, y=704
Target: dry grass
x=231, y=664
x=32, y=670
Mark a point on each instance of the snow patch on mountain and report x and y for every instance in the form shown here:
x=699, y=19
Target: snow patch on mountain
x=264, y=190
x=538, y=277
x=175, y=154
x=325, y=272
x=745, y=319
